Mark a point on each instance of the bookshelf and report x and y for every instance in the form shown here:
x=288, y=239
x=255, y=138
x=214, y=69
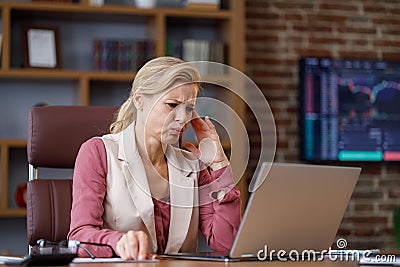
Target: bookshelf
x=77, y=82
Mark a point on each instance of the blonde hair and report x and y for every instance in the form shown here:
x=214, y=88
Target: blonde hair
x=156, y=76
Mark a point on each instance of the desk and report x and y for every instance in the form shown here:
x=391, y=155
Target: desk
x=186, y=263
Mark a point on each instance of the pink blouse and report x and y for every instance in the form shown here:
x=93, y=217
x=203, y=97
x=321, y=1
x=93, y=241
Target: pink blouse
x=219, y=220
x=161, y=220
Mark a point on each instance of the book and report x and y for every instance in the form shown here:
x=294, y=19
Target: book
x=1, y=43
x=204, y=50
x=206, y=5
x=121, y=55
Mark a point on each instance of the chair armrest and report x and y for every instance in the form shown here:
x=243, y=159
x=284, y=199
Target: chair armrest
x=48, y=211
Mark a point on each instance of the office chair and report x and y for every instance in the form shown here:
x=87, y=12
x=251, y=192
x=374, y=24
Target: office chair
x=55, y=134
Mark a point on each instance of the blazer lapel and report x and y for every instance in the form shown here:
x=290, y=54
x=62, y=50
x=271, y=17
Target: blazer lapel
x=136, y=180
x=181, y=198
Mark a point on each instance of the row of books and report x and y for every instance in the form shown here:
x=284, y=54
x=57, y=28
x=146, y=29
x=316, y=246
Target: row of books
x=199, y=50
x=122, y=55
x=130, y=55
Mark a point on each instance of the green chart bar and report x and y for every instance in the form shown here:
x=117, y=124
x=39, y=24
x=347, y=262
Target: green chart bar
x=360, y=155
x=309, y=139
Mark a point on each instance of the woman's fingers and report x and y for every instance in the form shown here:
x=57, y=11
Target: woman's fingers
x=197, y=123
x=195, y=115
x=143, y=244
x=204, y=128
x=121, y=249
x=133, y=245
x=209, y=123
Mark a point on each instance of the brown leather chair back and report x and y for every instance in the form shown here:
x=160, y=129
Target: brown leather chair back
x=55, y=134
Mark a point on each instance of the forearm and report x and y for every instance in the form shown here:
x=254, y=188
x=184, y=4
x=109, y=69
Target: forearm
x=219, y=221
x=89, y=189
x=219, y=218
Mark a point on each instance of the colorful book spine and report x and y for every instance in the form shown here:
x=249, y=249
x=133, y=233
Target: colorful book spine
x=122, y=55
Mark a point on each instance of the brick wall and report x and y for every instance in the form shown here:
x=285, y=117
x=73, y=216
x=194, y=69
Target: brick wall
x=278, y=33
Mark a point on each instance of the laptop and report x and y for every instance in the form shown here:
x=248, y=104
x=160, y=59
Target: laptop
x=296, y=207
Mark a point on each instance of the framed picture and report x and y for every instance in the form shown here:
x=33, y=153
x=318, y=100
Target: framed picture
x=41, y=47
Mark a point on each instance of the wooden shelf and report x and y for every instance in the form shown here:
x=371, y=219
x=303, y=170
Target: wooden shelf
x=17, y=212
x=116, y=9
x=109, y=76
x=13, y=143
x=5, y=146
x=40, y=74
x=60, y=74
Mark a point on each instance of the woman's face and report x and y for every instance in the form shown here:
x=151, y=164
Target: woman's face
x=166, y=114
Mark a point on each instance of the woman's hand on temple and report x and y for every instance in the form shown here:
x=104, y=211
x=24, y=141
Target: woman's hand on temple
x=133, y=246
x=210, y=150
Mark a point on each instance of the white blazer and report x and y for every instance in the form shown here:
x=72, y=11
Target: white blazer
x=128, y=204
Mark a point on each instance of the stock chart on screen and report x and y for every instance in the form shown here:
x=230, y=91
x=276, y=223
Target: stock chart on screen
x=350, y=109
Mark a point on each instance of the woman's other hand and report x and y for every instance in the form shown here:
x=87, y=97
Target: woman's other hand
x=210, y=150
x=133, y=246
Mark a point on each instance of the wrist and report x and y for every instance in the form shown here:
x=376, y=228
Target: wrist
x=219, y=164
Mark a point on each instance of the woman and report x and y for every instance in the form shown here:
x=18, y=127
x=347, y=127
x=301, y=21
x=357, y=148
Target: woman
x=139, y=194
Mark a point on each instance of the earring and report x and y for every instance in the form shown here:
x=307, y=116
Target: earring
x=138, y=105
